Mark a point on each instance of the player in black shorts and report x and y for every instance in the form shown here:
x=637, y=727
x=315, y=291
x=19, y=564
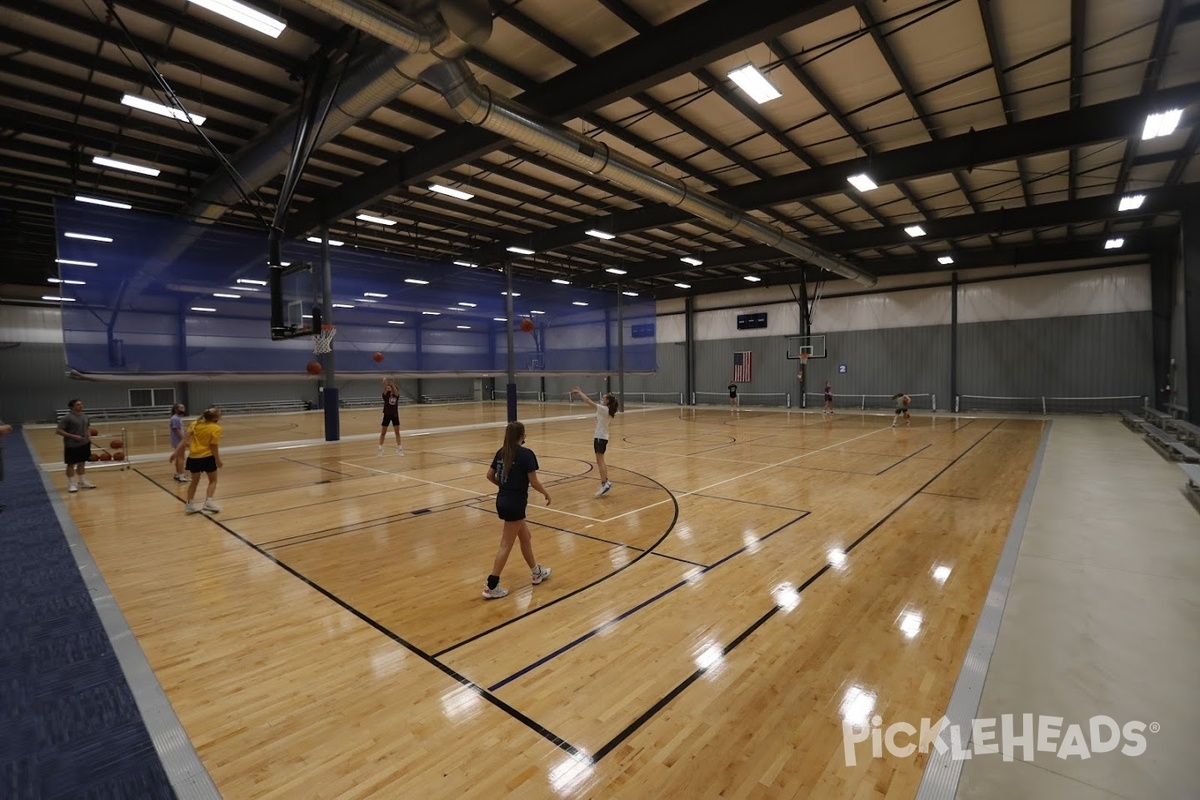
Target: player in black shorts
x=514, y=470
x=828, y=407
x=391, y=414
x=733, y=398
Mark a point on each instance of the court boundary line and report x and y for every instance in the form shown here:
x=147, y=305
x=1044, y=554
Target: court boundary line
x=664, y=701
x=537, y=728
x=942, y=773
x=176, y=751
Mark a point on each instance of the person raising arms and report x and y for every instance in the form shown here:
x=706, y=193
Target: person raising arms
x=606, y=409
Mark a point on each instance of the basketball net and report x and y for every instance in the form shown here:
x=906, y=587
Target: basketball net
x=804, y=359
x=323, y=339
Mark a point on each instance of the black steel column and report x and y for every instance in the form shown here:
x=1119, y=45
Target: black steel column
x=1191, y=312
x=1162, y=306
x=512, y=363
x=953, y=342
x=620, y=346
x=332, y=423
x=689, y=352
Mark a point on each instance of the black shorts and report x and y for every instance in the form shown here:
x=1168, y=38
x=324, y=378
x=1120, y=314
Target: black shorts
x=901, y=410
x=76, y=455
x=600, y=445
x=511, y=509
x=206, y=464
x=391, y=419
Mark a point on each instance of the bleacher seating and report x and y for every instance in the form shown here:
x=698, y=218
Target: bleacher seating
x=1192, y=489
x=1168, y=445
x=1130, y=419
x=369, y=402
x=1160, y=418
x=1185, y=430
x=448, y=398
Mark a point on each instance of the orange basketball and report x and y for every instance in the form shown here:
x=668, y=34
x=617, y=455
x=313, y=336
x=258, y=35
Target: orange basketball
x=118, y=456
x=93, y=457
x=116, y=444
x=93, y=432
x=378, y=357
x=314, y=368
x=527, y=325
x=105, y=457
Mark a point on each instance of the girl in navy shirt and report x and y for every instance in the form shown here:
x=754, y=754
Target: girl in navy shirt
x=514, y=470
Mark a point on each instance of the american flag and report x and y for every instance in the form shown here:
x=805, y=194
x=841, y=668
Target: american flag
x=741, y=367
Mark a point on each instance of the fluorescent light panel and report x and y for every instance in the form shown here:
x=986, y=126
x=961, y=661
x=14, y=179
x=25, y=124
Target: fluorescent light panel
x=252, y=281
x=945, y=259
x=332, y=242
x=66, y=282
x=862, y=182
x=446, y=190
x=560, y=281
x=695, y=262
x=1163, y=124
x=463, y=327
x=754, y=83
x=245, y=15
x=395, y=322
x=535, y=311
x=203, y=308
x=133, y=101
x=1113, y=244
x=416, y=281
x=376, y=220
x=342, y=305
x=227, y=296
x=1131, y=202
x=630, y=294
x=751, y=278
x=105, y=161
x=76, y=263
x=683, y=286
x=616, y=271
x=599, y=234
x=465, y=264
x=96, y=201
x=58, y=298
x=520, y=250
x=374, y=294
x=579, y=303
x=468, y=305
x=915, y=231
x=432, y=313
x=88, y=237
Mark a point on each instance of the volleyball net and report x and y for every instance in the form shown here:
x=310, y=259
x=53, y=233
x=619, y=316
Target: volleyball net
x=762, y=399
x=1044, y=405
x=921, y=401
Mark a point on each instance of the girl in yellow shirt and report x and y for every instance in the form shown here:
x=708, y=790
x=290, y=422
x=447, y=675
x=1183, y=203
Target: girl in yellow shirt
x=202, y=446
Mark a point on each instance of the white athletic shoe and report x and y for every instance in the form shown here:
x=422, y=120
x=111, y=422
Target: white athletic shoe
x=379, y=452
x=190, y=508
x=72, y=488
x=604, y=489
x=210, y=507
x=492, y=594
x=399, y=451
x=540, y=574
x=84, y=483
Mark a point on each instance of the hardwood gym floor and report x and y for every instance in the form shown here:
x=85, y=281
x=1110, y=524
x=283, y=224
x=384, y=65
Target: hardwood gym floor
x=752, y=581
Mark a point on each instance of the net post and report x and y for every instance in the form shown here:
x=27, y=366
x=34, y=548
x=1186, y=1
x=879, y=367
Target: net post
x=957, y=398
x=787, y=400
x=1043, y=406
x=934, y=396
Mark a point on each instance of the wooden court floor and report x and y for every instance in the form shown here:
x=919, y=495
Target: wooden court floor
x=751, y=581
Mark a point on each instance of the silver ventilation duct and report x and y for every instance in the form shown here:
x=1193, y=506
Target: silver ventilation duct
x=502, y=116
x=415, y=46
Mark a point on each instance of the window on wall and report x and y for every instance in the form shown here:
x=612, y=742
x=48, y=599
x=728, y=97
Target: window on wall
x=141, y=398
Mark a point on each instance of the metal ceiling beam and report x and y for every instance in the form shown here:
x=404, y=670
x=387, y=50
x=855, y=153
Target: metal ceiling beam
x=1167, y=199
x=1117, y=119
x=1059, y=252
x=706, y=33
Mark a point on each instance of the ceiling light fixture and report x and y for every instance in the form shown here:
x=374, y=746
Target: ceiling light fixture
x=616, y=271
x=246, y=15
x=96, y=201
x=104, y=161
x=88, y=237
x=465, y=264
x=133, y=101
x=332, y=242
x=695, y=262
x=751, y=278
x=862, y=182
x=560, y=281
x=227, y=296
x=374, y=294
x=252, y=281
x=1163, y=124
x=915, y=231
x=1131, y=202
x=416, y=281
x=754, y=83
x=520, y=251
x=205, y=309
x=376, y=220
x=66, y=281
x=1113, y=244
x=58, y=298
x=579, y=303
x=599, y=234
x=76, y=263
x=683, y=286
x=446, y=190
x=945, y=259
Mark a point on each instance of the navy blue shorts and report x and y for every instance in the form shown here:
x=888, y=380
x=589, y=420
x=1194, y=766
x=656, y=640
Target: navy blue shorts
x=511, y=509
x=601, y=445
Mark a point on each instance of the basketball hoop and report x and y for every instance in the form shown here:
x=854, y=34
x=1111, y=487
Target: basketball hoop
x=804, y=356
x=323, y=340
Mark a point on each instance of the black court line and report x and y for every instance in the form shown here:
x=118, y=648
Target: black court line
x=537, y=728
x=650, y=713
x=952, y=496
x=906, y=458
x=631, y=611
x=317, y=466
x=367, y=524
x=680, y=560
x=748, y=502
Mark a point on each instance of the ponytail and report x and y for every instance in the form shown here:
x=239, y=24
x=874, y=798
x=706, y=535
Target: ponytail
x=513, y=434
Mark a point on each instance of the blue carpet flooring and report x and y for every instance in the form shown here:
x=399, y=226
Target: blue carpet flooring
x=69, y=727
